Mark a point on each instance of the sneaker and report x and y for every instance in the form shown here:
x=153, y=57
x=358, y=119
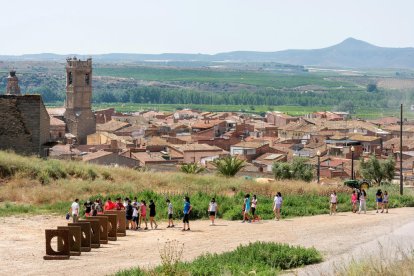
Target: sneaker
x=382, y=211
x=146, y=228
x=168, y=226
x=188, y=229
x=172, y=226
x=183, y=230
x=156, y=226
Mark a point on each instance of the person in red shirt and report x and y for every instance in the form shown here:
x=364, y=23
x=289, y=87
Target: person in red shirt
x=119, y=205
x=109, y=205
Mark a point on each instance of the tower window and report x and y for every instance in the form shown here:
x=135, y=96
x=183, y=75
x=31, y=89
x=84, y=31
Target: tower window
x=69, y=78
x=87, y=79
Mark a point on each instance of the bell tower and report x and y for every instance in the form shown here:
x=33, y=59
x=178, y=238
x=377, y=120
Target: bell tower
x=79, y=117
x=12, y=87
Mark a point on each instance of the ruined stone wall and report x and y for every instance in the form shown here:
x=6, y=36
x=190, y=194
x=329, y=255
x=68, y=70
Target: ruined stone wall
x=24, y=124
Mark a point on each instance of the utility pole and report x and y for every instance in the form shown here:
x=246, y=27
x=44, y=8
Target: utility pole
x=401, y=149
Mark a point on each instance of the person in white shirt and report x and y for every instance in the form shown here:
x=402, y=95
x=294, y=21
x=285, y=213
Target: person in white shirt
x=334, y=202
x=170, y=214
x=277, y=205
x=74, y=209
x=212, y=210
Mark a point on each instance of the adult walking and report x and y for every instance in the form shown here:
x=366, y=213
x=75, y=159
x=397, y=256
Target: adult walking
x=186, y=211
x=212, y=210
x=362, y=201
x=74, y=209
x=277, y=205
x=152, y=214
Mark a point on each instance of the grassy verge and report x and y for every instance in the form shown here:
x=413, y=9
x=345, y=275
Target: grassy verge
x=256, y=258
x=32, y=185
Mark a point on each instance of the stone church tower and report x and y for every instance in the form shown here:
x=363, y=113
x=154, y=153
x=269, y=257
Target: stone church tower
x=12, y=87
x=79, y=117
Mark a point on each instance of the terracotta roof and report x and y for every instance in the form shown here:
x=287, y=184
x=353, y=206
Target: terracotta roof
x=56, y=122
x=253, y=145
x=385, y=121
x=196, y=147
x=95, y=155
x=362, y=138
x=206, y=123
x=112, y=126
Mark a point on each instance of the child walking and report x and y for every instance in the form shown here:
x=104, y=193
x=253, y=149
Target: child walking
x=253, y=207
x=212, y=210
x=135, y=212
x=143, y=216
x=354, y=200
x=385, y=202
x=379, y=198
x=170, y=214
x=187, y=210
x=277, y=205
x=334, y=202
x=246, y=208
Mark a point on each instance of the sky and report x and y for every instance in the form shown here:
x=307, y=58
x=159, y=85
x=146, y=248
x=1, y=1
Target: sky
x=194, y=26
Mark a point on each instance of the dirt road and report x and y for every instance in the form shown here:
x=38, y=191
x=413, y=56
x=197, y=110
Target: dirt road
x=22, y=241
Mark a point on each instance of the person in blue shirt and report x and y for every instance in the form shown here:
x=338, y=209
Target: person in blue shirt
x=246, y=208
x=187, y=210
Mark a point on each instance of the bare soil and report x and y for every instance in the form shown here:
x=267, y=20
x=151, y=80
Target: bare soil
x=22, y=240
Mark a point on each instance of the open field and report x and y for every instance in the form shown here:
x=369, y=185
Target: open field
x=364, y=113
x=22, y=241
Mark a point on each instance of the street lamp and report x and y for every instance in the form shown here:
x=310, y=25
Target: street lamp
x=352, y=162
x=318, y=153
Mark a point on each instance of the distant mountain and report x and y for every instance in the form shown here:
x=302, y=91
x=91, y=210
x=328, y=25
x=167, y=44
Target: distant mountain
x=350, y=53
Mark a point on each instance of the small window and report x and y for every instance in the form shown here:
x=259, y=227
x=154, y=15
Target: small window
x=87, y=79
x=69, y=78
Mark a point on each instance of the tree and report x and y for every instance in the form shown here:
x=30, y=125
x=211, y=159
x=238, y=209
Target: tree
x=298, y=169
x=191, y=168
x=228, y=166
x=281, y=170
x=376, y=170
x=372, y=87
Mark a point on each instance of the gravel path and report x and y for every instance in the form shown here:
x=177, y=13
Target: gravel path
x=337, y=237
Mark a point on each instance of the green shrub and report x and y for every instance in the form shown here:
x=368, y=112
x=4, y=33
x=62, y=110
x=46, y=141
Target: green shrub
x=264, y=258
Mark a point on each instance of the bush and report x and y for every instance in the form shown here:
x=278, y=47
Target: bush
x=264, y=258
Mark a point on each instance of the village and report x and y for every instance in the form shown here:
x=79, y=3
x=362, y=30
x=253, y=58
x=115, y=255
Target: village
x=332, y=142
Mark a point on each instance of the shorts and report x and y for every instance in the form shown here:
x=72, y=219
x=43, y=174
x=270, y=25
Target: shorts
x=143, y=215
x=278, y=206
x=170, y=216
x=212, y=214
x=379, y=200
x=135, y=219
x=152, y=215
x=185, y=219
x=129, y=218
x=385, y=201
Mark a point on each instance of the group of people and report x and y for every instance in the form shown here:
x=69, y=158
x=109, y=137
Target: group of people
x=359, y=201
x=249, y=207
x=136, y=211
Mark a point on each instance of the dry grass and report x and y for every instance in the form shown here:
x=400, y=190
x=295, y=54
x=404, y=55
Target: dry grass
x=380, y=267
x=36, y=181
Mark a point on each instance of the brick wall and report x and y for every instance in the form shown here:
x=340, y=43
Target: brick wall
x=24, y=124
